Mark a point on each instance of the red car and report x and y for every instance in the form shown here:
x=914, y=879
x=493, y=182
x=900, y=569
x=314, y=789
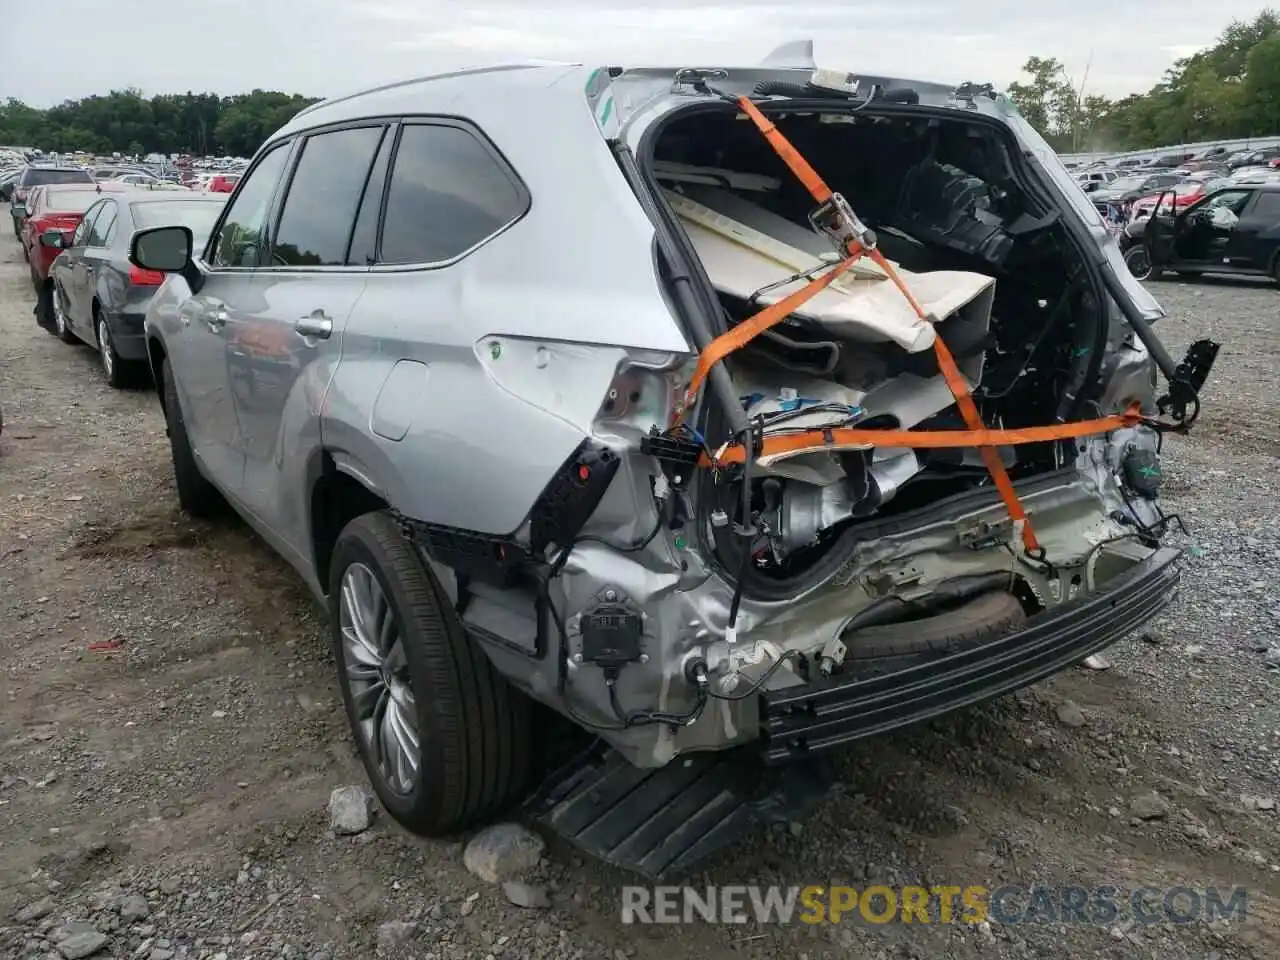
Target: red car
x=1184, y=194
x=59, y=208
x=223, y=183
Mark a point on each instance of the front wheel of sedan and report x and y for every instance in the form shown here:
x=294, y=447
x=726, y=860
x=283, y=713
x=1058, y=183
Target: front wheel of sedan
x=61, y=324
x=444, y=738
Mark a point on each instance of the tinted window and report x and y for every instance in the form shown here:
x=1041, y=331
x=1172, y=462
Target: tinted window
x=364, y=237
x=35, y=175
x=102, y=226
x=320, y=207
x=85, y=225
x=242, y=232
x=448, y=193
x=1268, y=205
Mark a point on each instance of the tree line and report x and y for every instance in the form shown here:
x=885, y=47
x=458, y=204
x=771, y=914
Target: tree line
x=203, y=124
x=1228, y=91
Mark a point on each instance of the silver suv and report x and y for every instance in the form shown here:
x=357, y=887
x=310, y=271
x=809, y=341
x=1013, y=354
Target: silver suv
x=438, y=352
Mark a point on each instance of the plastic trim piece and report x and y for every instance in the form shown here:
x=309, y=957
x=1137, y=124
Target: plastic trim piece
x=802, y=721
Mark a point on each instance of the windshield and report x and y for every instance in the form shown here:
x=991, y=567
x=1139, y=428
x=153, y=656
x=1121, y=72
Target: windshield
x=197, y=215
x=71, y=201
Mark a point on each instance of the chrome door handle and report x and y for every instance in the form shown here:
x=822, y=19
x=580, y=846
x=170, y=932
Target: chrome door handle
x=314, y=325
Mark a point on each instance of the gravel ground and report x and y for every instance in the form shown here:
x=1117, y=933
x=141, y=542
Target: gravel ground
x=167, y=797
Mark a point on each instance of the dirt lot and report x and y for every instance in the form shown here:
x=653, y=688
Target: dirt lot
x=170, y=793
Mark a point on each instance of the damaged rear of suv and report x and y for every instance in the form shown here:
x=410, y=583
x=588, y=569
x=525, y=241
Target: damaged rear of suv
x=768, y=409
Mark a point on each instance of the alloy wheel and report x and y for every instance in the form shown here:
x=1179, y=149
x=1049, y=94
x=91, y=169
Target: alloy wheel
x=106, y=350
x=378, y=678
x=59, y=315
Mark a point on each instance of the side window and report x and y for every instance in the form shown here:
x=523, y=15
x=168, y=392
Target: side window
x=240, y=238
x=364, y=238
x=1234, y=200
x=449, y=191
x=1268, y=205
x=102, y=225
x=320, y=207
x=86, y=224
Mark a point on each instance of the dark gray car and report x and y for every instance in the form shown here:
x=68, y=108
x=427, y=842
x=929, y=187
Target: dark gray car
x=99, y=297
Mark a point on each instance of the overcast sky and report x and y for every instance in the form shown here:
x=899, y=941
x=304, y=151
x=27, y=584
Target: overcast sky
x=73, y=48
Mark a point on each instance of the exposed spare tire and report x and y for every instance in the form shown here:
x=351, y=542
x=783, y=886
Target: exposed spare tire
x=972, y=623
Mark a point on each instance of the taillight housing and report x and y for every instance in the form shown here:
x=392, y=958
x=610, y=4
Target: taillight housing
x=145, y=278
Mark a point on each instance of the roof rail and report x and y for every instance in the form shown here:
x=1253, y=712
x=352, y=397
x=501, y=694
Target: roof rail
x=465, y=72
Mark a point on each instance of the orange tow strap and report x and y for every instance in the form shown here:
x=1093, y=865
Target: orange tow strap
x=758, y=323
x=977, y=433
x=815, y=440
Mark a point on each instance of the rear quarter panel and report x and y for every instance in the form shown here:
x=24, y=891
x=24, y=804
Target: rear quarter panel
x=578, y=267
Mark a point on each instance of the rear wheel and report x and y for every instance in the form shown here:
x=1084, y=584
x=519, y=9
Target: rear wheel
x=196, y=495
x=445, y=740
x=119, y=372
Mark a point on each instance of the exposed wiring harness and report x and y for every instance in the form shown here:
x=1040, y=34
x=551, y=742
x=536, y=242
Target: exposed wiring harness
x=624, y=721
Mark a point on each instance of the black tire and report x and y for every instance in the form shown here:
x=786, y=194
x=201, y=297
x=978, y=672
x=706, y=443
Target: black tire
x=118, y=371
x=61, y=322
x=1138, y=260
x=196, y=495
x=44, y=306
x=985, y=617
x=474, y=728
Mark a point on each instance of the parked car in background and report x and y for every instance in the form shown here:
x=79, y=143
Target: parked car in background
x=36, y=175
x=1254, y=158
x=1235, y=230
x=222, y=183
x=55, y=209
x=97, y=296
x=1132, y=187
x=1096, y=176
x=119, y=173
x=7, y=180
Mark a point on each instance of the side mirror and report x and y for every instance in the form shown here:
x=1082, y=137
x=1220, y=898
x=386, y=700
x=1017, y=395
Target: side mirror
x=1091, y=186
x=54, y=239
x=167, y=249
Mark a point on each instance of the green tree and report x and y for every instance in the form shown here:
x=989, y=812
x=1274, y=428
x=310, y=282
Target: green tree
x=1230, y=90
x=1260, y=95
x=128, y=122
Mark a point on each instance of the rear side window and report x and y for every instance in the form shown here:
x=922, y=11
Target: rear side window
x=1268, y=205
x=364, y=237
x=320, y=207
x=101, y=233
x=86, y=224
x=449, y=192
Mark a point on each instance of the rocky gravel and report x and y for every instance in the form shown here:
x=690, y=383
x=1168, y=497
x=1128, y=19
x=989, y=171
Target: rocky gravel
x=171, y=736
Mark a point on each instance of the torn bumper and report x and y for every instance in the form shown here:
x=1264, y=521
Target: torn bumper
x=801, y=721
